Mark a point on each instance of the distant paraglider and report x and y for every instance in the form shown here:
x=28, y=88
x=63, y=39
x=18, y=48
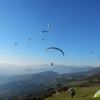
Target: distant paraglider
x=44, y=31
x=55, y=48
x=51, y=64
x=92, y=54
x=29, y=41
x=48, y=27
x=66, y=61
x=28, y=69
x=98, y=57
x=15, y=45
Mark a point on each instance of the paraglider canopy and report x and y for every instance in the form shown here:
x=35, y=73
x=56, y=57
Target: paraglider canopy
x=44, y=31
x=55, y=49
x=48, y=26
x=97, y=94
x=98, y=56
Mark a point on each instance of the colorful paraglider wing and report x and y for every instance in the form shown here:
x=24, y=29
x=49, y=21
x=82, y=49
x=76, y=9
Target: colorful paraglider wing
x=97, y=94
x=48, y=26
x=98, y=57
x=55, y=48
x=43, y=31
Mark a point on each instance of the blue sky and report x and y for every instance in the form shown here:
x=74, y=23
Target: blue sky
x=75, y=29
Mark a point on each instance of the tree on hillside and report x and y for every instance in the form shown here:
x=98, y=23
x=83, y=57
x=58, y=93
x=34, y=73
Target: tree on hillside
x=63, y=89
x=16, y=98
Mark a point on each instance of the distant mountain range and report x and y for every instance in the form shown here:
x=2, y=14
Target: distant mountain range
x=10, y=69
x=29, y=77
x=21, y=80
x=94, y=70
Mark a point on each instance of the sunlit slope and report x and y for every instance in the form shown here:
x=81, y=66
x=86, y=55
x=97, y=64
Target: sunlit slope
x=82, y=93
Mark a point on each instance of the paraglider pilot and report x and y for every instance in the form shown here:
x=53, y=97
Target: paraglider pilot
x=72, y=92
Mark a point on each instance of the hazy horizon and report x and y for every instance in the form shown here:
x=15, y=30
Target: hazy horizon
x=11, y=69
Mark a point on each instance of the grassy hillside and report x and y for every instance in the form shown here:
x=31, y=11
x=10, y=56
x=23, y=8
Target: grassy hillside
x=28, y=88
x=82, y=93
